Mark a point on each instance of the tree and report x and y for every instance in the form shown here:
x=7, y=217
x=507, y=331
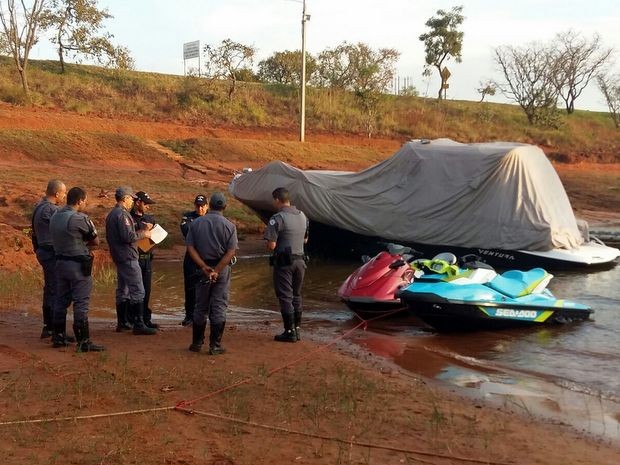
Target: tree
x=360, y=69
x=486, y=88
x=443, y=41
x=576, y=61
x=77, y=27
x=20, y=26
x=528, y=72
x=224, y=60
x=285, y=68
x=610, y=87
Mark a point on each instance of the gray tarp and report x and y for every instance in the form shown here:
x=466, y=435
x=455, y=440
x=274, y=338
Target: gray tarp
x=492, y=195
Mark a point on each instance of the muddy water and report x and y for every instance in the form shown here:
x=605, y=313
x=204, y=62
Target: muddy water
x=568, y=373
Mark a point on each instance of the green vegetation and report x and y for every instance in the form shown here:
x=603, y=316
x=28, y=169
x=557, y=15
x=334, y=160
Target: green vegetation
x=192, y=100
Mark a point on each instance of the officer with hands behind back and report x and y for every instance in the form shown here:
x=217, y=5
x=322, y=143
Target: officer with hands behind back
x=212, y=243
x=286, y=234
x=122, y=236
x=72, y=234
x=190, y=272
x=142, y=219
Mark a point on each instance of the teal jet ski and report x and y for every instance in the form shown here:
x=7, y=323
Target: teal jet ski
x=470, y=295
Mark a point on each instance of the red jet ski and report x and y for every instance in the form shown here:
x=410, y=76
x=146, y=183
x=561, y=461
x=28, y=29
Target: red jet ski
x=370, y=289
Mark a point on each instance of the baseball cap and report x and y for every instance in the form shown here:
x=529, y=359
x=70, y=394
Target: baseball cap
x=217, y=200
x=122, y=191
x=201, y=200
x=144, y=197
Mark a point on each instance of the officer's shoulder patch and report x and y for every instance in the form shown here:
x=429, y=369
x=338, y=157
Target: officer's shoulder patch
x=272, y=222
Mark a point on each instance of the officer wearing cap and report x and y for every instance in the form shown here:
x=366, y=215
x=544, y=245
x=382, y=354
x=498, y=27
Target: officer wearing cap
x=190, y=272
x=286, y=234
x=211, y=243
x=141, y=218
x=44, y=250
x=121, y=235
x=72, y=234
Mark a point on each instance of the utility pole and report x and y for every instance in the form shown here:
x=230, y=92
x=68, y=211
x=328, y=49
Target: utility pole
x=302, y=109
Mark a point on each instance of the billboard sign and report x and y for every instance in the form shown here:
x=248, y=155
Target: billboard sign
x=191, y=50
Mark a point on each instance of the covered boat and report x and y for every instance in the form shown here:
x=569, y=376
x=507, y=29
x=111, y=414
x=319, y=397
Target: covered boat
x=502, y=201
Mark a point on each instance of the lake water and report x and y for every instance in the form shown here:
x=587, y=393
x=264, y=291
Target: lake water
x=568, y=373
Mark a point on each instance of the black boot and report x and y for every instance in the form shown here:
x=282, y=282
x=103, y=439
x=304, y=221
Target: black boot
x=82, y=335
x=47, y=322
x=137, y=309
x=198, y=337
x=147, y=319
x=215, y=339
x=121, y=316
x=298, y=325
x=289, y=330
x=60, y=338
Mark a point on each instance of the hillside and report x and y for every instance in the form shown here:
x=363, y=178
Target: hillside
x=198, y=103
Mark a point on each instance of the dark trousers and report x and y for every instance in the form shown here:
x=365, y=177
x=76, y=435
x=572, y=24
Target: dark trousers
x=212, y=299
x=47, y=260
x=147, y=277
x=190, y=278
x=72, y=286
x=287, y=282
x=129, y=284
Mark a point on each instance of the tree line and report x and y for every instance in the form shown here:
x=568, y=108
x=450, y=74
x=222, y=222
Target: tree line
x=537, y=76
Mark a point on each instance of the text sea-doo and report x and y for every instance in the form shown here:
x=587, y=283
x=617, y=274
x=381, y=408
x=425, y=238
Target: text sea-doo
x=370, y=290
x=452, y=298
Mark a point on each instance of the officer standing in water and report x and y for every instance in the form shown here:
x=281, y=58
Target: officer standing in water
x=286, y=234
x=72, y=234
x=190, y=271
x=43, y=248
x=140, y=216
x=212, y=243
x=122, y=236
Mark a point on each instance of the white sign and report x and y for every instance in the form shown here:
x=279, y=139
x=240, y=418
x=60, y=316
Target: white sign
x=191, y=50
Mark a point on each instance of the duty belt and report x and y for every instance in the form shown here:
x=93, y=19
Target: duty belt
x=144, y=256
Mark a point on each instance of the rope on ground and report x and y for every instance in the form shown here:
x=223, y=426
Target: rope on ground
x=343, y=441
x=363, y=323
x=85, y=417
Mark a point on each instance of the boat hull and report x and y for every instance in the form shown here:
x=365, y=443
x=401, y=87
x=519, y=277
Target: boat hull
x=449, y=316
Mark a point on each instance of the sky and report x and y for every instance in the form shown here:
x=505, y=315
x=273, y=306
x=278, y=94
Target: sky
x=155, y=30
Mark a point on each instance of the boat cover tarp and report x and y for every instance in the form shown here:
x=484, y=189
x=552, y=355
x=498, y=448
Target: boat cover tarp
x=491, y=195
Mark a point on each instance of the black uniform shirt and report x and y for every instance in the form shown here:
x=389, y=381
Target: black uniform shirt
x=140, y=221
x=212, y=236
x=186, y=221
x=121, y=234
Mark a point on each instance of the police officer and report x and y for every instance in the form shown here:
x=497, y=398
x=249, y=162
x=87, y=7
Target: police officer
x=190, y=272
x=122, y=236
x=72, y=233
x=141, y=218
x=211, y=243
x=44, y=250
x=286, y=234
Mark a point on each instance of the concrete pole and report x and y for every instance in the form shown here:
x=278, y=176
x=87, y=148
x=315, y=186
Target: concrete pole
x=302, y=109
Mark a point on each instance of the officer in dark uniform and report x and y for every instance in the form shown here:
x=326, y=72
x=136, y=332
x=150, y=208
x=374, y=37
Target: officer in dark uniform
x=286, y=234
x=212, y=243
x=190, y=272
x=121, y=236
x=44, y=250
x=72, y=234
x=140, y=216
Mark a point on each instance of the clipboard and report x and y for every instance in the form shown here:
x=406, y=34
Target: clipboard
x=158, y=234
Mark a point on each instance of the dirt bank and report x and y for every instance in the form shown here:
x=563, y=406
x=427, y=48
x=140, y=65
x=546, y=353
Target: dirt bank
x=346, y=410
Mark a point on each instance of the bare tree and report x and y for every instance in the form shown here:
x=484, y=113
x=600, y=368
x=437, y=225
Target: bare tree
x=224, y=60
x=20, y=25
x=486, y=88
x=528, y=72
x=77, y=26
x=576, y=61
x=610, y=87
x=443, y=41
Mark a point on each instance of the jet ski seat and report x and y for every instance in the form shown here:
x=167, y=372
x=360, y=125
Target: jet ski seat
x=516, y=283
